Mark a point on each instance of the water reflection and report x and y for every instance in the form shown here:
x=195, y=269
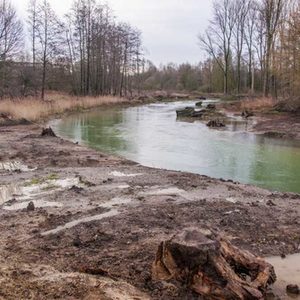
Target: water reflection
x=288, y=272
x=152, y=136
x=96, y=131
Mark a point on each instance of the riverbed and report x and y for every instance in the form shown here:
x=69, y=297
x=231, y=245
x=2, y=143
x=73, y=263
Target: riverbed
x=153, y=136
x=96, y=212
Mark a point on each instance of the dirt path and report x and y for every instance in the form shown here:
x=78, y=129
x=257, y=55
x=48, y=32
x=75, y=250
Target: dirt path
x=99, y=219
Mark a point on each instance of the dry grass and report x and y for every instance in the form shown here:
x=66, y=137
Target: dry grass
x=258, y=104
x=34, y=109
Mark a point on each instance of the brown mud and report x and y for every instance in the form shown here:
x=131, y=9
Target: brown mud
x=98, y=220
x=267, y=122
x=283, y=125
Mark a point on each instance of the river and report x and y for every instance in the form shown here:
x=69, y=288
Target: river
x=152, y=136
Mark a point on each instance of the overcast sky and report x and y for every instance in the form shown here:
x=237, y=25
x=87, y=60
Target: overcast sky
x=169, y=27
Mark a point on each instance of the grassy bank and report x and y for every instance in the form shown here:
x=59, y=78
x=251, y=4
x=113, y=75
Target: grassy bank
x=258, y=104
x=266, y=105
x=34, y=109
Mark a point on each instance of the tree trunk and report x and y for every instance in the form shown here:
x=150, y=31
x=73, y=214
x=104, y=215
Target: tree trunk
x=253, y=80
x=212, y=268
x=266, y=87
x=45, y=53
x=44, y=76
x=239, y=74
x=226, y=82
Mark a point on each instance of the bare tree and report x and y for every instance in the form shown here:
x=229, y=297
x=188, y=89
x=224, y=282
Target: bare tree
x=32, y=28
x=271, y=11
x=11, y=31
x=217, y=40
x=49, y=31
x=104, y=53
x=250, y=24
x=241, y=10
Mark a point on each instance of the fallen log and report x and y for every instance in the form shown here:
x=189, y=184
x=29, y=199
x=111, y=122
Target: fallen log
x=186, y=112
x=212, y=267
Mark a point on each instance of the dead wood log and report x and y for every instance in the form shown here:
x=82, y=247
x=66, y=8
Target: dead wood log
x=212, y=267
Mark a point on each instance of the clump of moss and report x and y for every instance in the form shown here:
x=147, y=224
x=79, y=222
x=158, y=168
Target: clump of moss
x=37, y=181
x=34, y=181
x=53, y=177
x=50, y=187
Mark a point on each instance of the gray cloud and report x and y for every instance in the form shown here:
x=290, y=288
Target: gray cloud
x=169, y=27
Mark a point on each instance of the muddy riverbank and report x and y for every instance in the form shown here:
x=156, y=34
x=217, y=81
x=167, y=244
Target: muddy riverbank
x=98, y=219
x=268, y=121
x=154, y=136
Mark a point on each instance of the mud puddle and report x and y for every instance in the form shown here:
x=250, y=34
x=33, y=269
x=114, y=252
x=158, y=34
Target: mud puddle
x=116, y=202
x=121, y=174
x=16, y=196
x=167, y=191
x=14, y=166
x=288, y=272
x=37, y=204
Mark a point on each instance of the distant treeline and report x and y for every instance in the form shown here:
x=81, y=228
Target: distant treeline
x=252, y=46
x=87, y=52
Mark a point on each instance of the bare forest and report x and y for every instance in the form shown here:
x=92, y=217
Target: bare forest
x=87, y=52
x=249, y=47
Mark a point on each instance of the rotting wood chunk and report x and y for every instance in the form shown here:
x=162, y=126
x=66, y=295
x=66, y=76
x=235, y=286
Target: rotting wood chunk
x=212, y=267
x=48, y=132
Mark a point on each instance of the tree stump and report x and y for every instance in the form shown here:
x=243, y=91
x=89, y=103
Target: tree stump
x=213, y=268
x=48, y=132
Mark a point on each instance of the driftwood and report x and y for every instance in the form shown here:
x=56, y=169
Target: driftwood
x=186, y=112
x=212, y=268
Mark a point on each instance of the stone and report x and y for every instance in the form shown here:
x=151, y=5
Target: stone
x=215, y=124
x=77, y=242
x=76, y=189
x=293, y=289
x=30, y=206
x=270, y=203
x=211, y=106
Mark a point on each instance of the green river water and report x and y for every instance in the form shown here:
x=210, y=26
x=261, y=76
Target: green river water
x=152, y=135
